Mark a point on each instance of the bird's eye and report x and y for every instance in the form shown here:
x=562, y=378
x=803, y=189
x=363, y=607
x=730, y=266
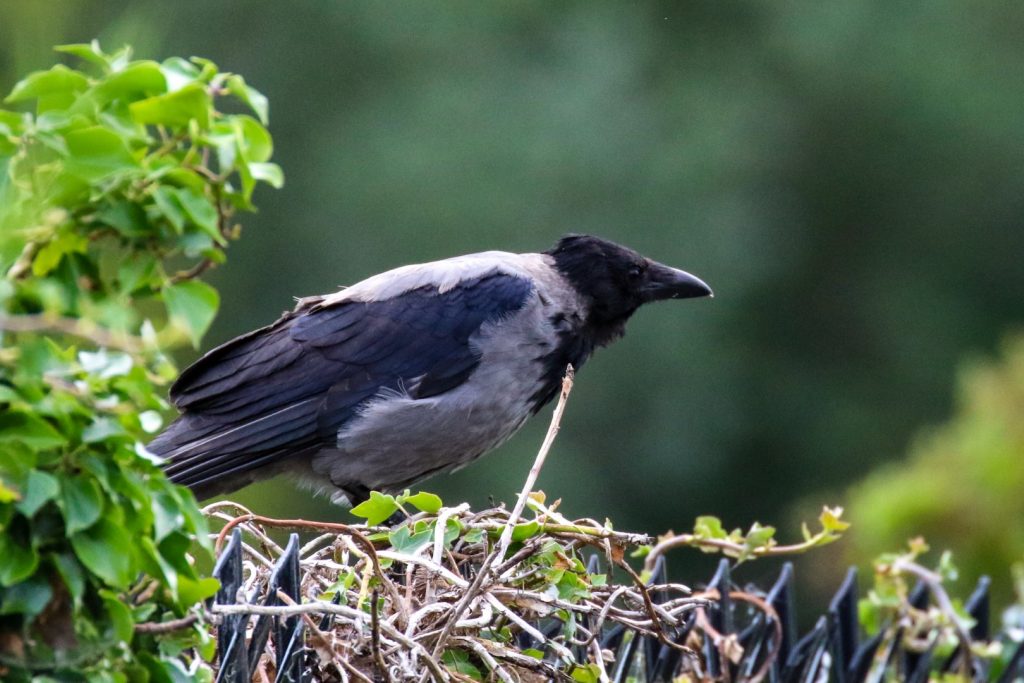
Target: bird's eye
x=635, y=272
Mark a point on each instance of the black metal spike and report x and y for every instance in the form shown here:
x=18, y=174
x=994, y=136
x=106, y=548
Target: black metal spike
x=805, y=656
x=288, y=634
x=862, y=659
x=918, y=599
x=720, y=617
x=1014, y=670
x=977, y=606
x=234, y=660
x=843, y=625
x=782, y=597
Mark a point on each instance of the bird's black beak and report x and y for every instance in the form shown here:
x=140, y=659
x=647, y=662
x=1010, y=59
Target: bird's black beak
x=664, y=282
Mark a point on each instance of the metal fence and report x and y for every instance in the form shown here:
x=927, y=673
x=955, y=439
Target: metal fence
x=833, y=650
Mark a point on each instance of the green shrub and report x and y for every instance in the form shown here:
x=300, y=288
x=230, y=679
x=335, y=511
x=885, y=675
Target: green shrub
x=116, y=193
x=962, y=486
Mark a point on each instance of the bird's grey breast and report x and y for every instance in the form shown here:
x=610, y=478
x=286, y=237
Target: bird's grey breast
x=397, y=438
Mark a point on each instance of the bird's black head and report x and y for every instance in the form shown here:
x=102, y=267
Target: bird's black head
x=616, y=280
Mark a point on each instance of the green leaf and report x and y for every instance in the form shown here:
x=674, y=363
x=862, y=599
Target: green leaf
x=97, y=152
x=458, y=661
x=830, y=519
x=136, y=271
x=50, y=255
x=404, y=540
x=127, y=218
x=28, y=597
x=425, y=502
x=707, y=526
x=251, y=96
x=40, y=489
x=179, y=73
x=169, y=204
x=89, y=52
x=143, y=77
x=120, y=616
x=192, y=304
x=474, y=536
x=760, y=536
x=106, y=550
x=378, y=508
x=71, y=571
x=168, y=516
x=34, y=432
x=101, y=429
x=19, y=561
x=268, y=173
x=82, y=502
x=201, y=211
x=586, y=674
x=7, y=495
x=191, y=591
x=253, y=139
x=525, y=531
x=59, y=85
x=175, y=109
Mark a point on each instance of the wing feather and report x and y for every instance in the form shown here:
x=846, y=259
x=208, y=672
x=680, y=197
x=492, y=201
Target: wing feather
x=287, y=388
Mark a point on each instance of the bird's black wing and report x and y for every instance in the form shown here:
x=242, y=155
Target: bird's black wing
x=286, y=389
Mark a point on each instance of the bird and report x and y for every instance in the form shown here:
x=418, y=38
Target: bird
x=411, y=372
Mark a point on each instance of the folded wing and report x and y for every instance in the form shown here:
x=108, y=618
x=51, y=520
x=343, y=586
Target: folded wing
x=285, y=389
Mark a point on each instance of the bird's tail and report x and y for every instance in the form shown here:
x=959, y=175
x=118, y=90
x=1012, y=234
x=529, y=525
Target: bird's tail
x=212, y=459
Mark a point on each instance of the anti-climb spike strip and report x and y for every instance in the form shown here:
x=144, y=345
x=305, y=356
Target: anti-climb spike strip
x=832, y=650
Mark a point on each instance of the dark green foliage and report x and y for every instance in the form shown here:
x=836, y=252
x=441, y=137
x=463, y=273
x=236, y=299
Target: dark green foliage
x=961, y=487
x=116, y=192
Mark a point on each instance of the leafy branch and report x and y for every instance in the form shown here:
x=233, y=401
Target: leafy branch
x=118, y=183
x=759, y=541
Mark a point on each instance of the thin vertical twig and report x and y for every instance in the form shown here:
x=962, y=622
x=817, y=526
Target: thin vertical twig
x=538, y=463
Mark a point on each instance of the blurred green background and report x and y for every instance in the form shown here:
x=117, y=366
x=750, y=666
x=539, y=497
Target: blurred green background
x=847, y=176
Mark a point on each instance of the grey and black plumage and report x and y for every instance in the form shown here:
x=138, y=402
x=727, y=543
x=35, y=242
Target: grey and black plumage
x=415, y=371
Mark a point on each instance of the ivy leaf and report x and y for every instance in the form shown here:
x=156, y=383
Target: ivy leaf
x=175, y=109
x=7, y=494
x=830, y=519
x=120, y=616
x=251, y=96
x=425, y=502
x=32, y=431
x=89, y=52
x=97, y=152
x=143, y=77
x=71, y=571
x=106, y=550
x=40, y=489
x=271, y=174
x=28, y=597
x=253, y=139
x=50, y=255
x=458, y=661
x=58, y=86
x=82, y=502
x=707, y=526
x=192, y=304
x=169, y=204
x=191, y=591
x=19, y=561
x=586, y=674
x=474, y=536
x=404, y=540
x=379, y=507
x=201, y=211
x=524, y=531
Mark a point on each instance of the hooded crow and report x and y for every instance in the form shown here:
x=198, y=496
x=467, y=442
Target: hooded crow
x=415, y=371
